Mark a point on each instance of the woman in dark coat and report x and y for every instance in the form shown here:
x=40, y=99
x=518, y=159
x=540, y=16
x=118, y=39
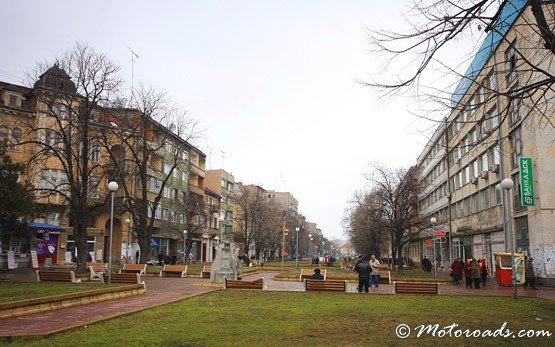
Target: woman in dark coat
x=456, y=271
x=467, y=269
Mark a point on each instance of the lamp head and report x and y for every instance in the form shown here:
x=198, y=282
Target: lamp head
x=297, y=229
x=113, y=186
x=507, y=184
x=433, y=220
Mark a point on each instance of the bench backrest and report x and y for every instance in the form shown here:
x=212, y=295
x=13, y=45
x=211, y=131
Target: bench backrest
x=56, y=276
x=174, y=268
x=416, y=287
x=207, y=268
x=325, y=285
x=126, y=278
x=134, y=268
x=237, y=284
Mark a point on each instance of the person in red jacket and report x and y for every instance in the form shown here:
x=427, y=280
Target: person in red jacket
x=456, y=270
x=467, y=269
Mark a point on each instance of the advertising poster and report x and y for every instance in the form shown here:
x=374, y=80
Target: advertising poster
x=11, y=260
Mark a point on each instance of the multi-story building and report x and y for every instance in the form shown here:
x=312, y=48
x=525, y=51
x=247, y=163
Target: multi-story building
x=181, y=205
x=223, y=183
x=492, y=126
x=284, y=200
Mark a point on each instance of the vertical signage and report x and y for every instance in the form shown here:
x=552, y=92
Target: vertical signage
x=526, y=182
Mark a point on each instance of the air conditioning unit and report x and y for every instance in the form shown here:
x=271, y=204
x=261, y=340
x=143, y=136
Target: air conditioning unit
x=495, y=168
x=484, y=174
x=474, y=180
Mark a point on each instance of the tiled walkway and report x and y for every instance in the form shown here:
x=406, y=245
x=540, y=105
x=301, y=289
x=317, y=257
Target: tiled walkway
x=162, y=291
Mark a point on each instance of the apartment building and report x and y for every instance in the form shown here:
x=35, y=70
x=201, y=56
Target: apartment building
x=22, y=107
x=284, y=200
x=223, y=183
x=493, y=125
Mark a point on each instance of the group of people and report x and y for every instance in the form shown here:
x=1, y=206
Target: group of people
x=427, y=265
x=475, y=272
x=368, y=272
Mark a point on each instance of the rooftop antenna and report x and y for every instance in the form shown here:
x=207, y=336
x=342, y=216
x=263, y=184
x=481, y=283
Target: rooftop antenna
x=133, y=56
x=223, y=157
x=209, y=157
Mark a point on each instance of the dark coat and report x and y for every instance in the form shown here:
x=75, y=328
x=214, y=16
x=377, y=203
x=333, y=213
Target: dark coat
x=317, y=277
x=467, y=270
x=456, y=268
x=364, y=269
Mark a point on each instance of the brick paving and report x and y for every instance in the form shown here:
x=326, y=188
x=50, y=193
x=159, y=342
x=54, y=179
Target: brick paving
x=162, y=290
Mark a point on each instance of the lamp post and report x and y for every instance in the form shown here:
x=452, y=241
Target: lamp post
x=297, y=229
x=128, y=223
x=283, y=247
x=323, y=250
x=508, y=184
x=433, y=220
x=310, y=250
x=112, y=187
x=184, y=247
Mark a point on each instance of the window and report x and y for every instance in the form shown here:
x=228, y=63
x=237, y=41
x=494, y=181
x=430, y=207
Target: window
x=510, y=62
x=484, y=158
x=16, y=135
x=95, y=152
x=467, y=174
x=464, y=146
x=61, y=111
x=516, y=146
x=497, y=194
x=485, y=200
x=223, y=183
x=475, y=173
x=496, y=154
x=93, y=186
x=13, y=100
x=517, y=204
x=492, y=81
x=154, y=185
x=167, y=168
x=514, y=110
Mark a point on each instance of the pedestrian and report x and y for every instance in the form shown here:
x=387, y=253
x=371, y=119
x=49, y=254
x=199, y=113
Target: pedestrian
x=137, y=254
x=456, y=270
x=190, y=257
x=364, y=270
x=160, y=258
x=174, y=258
x=529, y=275
x=475, y=273
x=375, y=275
x=317, y=275
x=484, y=271
x=89, y=258
x=467, y=269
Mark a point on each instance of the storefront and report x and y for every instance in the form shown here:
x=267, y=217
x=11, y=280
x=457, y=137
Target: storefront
x=47, y=242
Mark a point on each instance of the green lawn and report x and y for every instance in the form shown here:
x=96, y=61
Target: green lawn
x=12, y=291
x=249, y=318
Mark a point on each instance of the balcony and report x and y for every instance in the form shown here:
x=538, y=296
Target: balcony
x=196, y=170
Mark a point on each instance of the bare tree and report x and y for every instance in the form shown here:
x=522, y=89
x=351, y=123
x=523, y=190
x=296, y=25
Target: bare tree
x=365, y=226
x=396, y=205
x=439, y=26
x=68, y=94
x=148, y=146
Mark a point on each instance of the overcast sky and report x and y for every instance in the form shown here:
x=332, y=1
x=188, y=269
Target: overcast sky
x=273, y=83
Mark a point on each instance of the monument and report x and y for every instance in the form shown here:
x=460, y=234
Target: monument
x=226, y=262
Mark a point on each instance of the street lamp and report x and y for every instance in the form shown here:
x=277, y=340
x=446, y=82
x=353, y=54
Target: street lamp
x=433, y=220
x=112, y=187
x=128, y=223
x=508, y=184
x=284, y=232
x=297, y=229
x=309, y=250
x=184, y=247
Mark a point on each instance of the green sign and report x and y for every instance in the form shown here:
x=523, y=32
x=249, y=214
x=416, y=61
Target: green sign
x=526, y=182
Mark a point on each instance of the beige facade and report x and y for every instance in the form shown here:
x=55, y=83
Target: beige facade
x=223, y=183
x=480, y=143
x=284, y=200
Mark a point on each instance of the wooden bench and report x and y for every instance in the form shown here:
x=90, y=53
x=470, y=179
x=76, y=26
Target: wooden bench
x=127, y=278
x=306, y=273
x=325, y=285
x=205, y=272
x=237, y=284
x=416, y=288
x=133, y=268
x=174, y=270
x=56, y=276
x=97, y=270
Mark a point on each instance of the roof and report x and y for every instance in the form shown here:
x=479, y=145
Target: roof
x=507, y=17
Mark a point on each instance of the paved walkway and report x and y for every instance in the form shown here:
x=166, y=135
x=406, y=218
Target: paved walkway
x=161, y=290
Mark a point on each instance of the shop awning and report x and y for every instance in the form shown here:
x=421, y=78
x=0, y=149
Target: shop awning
x=42, y=227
